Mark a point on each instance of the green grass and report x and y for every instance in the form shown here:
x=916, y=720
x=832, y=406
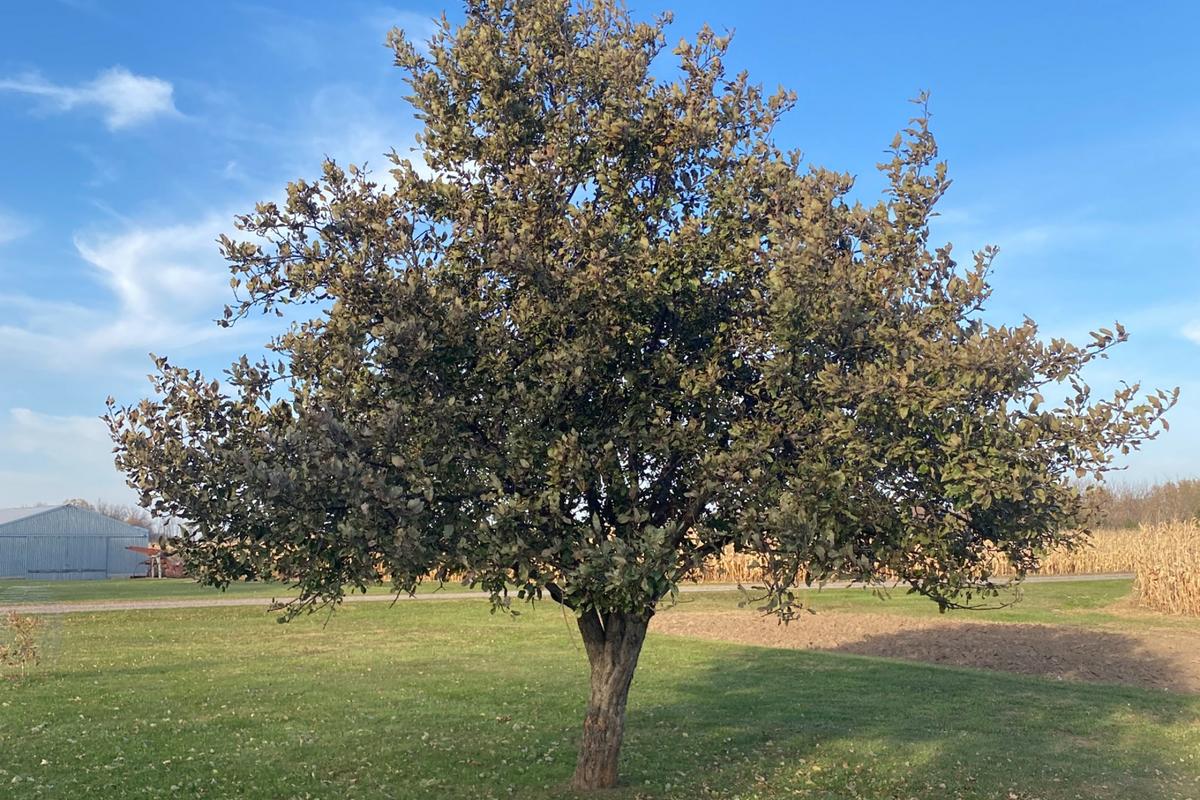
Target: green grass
x=1086, y=603
x=16, y=590
x=443, y=700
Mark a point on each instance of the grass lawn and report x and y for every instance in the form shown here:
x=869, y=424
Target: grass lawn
x=17, y=590
x=1088, y=603
x=443, y=700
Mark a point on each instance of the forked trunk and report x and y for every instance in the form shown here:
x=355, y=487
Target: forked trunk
x=613, y=644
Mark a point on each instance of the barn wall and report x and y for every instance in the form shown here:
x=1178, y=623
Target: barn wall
x=122, y=563
x=61, y=558
x=70, y=544
x=13, y=556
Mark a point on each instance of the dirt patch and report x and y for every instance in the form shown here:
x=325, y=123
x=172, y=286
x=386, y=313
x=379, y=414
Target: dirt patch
x=1157, y=659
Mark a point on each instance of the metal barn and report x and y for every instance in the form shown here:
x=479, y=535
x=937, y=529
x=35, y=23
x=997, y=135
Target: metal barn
x=63, y=543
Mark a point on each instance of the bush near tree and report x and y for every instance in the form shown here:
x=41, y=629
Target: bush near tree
x=20, y=650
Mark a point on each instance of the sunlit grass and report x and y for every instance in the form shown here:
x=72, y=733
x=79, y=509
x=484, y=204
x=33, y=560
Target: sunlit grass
x=17, y=591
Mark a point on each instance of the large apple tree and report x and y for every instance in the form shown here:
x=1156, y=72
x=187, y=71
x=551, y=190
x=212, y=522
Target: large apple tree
x=605, y=331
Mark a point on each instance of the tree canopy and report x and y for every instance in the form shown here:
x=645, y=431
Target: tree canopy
x=606, y=329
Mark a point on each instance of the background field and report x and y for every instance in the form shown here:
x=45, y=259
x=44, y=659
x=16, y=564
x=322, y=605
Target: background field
x=441, y=699
x=19, y=591
x=1164, y=557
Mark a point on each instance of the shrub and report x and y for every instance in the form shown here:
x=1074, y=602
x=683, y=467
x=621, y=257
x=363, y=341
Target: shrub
x=22, y=650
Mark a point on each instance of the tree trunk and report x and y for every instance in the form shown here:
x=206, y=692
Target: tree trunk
x=613, y=644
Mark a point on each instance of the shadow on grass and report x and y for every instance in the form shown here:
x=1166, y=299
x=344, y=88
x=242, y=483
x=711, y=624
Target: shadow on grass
x=785, y=723
x=1150, y=659
x=1056, y=652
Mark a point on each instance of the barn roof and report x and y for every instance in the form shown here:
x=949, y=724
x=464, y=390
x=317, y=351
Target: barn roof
x=8, y=515
x=63, y=520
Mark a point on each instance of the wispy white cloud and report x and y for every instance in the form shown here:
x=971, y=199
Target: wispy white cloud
x=418, y=28
x=60, y=457
x=164, y=286
x=351, y=128
x=159, y=289
x=29, y=431
x=12, y=227
x=1191, y=331
x=312, y=43
x=104, y=169
x=1036, y=237
x=232, y=171
x=123, y=98
x=971, y=228
x=152, y=271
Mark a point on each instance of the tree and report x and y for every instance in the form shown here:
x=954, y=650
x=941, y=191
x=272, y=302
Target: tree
x=611, y=331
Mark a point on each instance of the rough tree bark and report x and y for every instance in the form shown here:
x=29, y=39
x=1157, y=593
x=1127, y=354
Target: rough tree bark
x=613, y=643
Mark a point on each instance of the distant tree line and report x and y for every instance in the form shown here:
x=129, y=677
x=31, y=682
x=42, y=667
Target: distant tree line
x=1128, y=506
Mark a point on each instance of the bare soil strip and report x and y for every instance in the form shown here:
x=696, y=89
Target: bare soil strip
x=1158, y=659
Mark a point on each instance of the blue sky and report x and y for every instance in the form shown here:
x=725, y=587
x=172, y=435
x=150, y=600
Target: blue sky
x=134, y=131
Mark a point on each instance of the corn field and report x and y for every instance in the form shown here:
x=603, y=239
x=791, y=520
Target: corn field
x=1111, y=550
x=1164, y=558
x=1167, y=568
